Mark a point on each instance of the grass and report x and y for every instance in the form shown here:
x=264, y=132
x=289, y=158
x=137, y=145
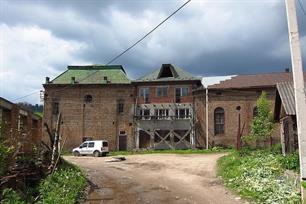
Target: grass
x=64, y=186
x=259, y=176
x=187, y=151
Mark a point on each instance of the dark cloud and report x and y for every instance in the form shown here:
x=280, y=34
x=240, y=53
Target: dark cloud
x=205, y=38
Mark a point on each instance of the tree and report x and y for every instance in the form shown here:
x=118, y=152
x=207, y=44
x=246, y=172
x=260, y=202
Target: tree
x=262, y=124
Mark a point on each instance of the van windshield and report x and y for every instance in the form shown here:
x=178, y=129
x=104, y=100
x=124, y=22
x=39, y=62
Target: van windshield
x=105, y=144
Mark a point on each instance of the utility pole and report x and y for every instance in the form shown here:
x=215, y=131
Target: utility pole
x=299, y=92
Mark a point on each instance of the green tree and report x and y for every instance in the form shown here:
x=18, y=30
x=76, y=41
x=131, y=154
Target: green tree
x=5, y=151
x=262, y=124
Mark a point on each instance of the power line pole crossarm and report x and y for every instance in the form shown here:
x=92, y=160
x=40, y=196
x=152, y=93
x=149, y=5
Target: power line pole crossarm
x=298, y=79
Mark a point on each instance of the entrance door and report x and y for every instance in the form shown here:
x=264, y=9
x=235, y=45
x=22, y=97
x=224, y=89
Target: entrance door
x=122, y=142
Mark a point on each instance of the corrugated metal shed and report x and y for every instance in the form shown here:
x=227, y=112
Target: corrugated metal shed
x=286, y=93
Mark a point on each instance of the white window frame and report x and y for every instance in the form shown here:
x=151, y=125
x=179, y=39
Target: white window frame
x=162, y=113
x=186, y=115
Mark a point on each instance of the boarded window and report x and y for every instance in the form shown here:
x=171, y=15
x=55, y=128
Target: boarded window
x=162, y=91
x=219, y=121
x=55, y=108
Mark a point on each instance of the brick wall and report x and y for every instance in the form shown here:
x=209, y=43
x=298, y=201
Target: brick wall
x=98, y=119
x=228, y=100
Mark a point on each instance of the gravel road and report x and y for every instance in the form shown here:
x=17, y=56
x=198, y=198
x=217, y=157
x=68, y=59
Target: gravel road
x=155, y=178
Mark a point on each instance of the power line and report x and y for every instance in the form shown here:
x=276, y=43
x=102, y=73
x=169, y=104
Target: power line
x=302, y=7
x=25, y=96
x=123, y=52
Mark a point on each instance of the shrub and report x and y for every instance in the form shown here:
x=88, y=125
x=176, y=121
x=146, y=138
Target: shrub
x=64, y=186
x=5, y=151
x=9, y=196
x=262, y=124
x=290, y=161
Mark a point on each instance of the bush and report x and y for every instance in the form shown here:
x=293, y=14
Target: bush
x=64, y=186
x=259, y=176
x=290, y=161
x=9, y=196
x=5, y=151
x=262, y=124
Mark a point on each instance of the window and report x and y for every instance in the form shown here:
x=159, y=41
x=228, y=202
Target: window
x=122, y=132
x=91, y=144
x=179, y=92
x=182, y=113
x=145, y=114
x=105, y=144
x=161, y=91
x=255, y=112
x=162, y=113
x=120, y=106
x=55, y=108
x=88, y=99
x=84, y=145
x=145, y=93
x=219, y=121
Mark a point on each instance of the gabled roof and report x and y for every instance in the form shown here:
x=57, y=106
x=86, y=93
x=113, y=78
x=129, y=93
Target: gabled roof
x=168, y=72
x=253, y=81
x=286, y=93
x=93, y=74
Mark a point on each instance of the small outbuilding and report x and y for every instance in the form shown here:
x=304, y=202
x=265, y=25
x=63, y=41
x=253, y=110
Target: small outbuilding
x=285, y=114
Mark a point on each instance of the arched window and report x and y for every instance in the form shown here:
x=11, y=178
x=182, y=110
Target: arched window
x=219, y=121
x=88, y=99
x=255, y=111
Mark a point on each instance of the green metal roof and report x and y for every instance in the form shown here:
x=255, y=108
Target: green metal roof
x=93, y=74
x=168, y=72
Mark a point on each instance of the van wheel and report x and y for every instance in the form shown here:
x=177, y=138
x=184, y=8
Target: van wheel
x=76, y=153
x=96, y=153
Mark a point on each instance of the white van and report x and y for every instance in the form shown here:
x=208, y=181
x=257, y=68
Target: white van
x=94, y=147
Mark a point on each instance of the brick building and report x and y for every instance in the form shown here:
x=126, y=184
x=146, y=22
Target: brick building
x=21, y=127
x=165, y=109
x=95, y=102
x=164, y=116
x=226, y=100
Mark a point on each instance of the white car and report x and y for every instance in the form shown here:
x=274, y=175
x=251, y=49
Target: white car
x=94, y=147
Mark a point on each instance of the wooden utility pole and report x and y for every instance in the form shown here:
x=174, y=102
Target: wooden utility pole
x=298, y=79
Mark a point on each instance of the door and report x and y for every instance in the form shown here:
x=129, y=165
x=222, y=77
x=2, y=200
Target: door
x=83, y=148
x=122, y=142
x=90, y=148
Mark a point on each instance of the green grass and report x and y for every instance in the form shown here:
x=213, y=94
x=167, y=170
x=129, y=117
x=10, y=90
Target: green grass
x=259, y=176
x=64, y=186
x=187, y=151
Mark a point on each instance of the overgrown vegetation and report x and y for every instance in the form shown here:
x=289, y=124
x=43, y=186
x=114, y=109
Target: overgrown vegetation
x=5, y=151
x=259, y=175
x=262, y=124
x=169, y=151
x=64, y=186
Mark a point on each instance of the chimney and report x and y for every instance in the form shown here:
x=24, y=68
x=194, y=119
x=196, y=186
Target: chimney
x=47, y=80
x=72, y=80
x=287, y=70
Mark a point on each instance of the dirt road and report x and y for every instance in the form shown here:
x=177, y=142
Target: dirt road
x=155, y=178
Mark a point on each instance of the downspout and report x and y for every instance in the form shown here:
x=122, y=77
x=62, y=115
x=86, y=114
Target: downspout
x=206, y=114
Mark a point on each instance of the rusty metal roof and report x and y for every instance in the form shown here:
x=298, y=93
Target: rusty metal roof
x=286, y=93
x=255, y=80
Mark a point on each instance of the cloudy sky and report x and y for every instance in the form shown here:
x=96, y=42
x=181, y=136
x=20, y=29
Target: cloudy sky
x=207, y=37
